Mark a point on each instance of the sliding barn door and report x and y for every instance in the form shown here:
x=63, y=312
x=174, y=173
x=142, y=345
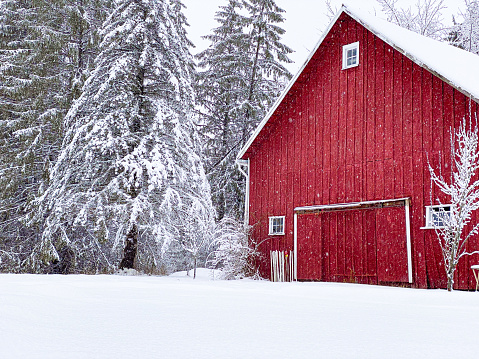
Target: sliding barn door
x=360, y=246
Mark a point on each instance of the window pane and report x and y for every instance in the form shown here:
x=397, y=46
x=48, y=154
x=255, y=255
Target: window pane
x=277, y=225
x=439, y=215
x=351, y=57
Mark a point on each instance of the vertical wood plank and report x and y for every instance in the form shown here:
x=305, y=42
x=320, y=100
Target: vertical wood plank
x=360, y=118
x=320, y=124
x=335, y=70
x=380, y=120
x=398, y=96
x=327, y=133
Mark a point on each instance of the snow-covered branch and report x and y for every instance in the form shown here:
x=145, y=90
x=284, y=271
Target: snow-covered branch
x=462, y=188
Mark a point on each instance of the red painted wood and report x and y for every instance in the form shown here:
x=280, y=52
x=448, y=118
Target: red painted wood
x=358, y=243
x=327, y=137
x=318, y=119
x=333, y=246
x=369, y=225
x=360, y=124
x=379, y=97
x=335, y=188
x=391, y=245
x=340, y=240
x=342, y=120
x=398, y=125
x=388, y=102
x=370, y=97
x=311, y=158
x=383, y=238
x=359, y=134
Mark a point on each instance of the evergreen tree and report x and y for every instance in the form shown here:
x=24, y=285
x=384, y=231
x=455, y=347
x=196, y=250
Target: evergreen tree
x=241, y=75
x=128, y=162
x=39, y=73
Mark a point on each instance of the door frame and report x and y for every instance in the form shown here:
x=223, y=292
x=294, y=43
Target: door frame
x=406, y=202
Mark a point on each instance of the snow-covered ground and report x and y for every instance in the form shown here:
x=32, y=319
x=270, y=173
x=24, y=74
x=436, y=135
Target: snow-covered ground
x=178, y=317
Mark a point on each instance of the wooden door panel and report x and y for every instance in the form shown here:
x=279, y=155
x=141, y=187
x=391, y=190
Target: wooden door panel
x=392, y=245
x=364, y=246
x=309, y=247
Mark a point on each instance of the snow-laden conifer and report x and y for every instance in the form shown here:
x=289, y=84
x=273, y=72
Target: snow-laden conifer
x=39, y=67
x=128, y=161
x=241, y=74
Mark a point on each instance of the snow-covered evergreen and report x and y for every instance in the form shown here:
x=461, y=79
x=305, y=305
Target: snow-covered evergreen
x=241, y=74
x=40, y=62
x=128, y=162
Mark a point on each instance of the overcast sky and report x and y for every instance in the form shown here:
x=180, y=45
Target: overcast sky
x=305, y=21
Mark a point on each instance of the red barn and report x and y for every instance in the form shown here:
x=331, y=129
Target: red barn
x=339, y=188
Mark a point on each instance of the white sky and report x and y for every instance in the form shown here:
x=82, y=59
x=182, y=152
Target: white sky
x=305, y=21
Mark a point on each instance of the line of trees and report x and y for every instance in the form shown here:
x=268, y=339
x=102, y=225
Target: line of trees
x=103, y=150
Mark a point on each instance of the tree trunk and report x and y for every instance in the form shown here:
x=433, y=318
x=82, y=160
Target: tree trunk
x=129, y=252
x=194, y=270
x=450, y=280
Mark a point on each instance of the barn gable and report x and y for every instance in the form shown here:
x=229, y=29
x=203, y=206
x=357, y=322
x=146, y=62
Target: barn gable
x=451, y=64
x=338, y=176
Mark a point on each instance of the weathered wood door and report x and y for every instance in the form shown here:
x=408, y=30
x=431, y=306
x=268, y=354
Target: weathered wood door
x=362, y=246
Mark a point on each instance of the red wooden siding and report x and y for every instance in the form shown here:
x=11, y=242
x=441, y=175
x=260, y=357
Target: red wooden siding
x=361, y=134
x=362, y=246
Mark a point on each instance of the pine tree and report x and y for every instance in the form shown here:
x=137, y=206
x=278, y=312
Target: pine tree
x=128, y=162
x=34, y=97
x=242, y=73
x=38, y=77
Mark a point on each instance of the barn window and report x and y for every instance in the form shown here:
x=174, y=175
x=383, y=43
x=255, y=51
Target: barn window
x=350, y=55
x=436, y=216
x=276, y=225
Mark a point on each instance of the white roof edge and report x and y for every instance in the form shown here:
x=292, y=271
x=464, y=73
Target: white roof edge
x=288, y=87
x=348, y=205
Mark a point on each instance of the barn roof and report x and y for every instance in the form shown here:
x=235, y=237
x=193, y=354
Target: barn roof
x=457, y=67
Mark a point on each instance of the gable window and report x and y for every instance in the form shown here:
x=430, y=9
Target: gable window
x=350, y=55
x=436, y=216
x=276, y=225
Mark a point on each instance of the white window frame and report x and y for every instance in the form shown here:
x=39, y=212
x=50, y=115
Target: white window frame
x=271, y=230
x=430, y=211
x=346, y=48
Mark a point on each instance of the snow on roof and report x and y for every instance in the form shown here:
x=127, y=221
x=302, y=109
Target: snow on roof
x=457, y=67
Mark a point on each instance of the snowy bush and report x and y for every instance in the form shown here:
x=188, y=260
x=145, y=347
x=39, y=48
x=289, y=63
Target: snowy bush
x=235, y=253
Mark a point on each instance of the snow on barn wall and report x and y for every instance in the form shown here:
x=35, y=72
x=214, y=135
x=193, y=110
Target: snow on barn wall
x=363, y=134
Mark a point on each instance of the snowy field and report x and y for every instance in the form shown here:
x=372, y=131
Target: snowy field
x=139, y=317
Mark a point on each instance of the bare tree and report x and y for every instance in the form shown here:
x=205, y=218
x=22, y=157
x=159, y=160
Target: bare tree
x=425, y=18
x=463, y=190
x=466, y=34
x=331, y=10
x=198, y=228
